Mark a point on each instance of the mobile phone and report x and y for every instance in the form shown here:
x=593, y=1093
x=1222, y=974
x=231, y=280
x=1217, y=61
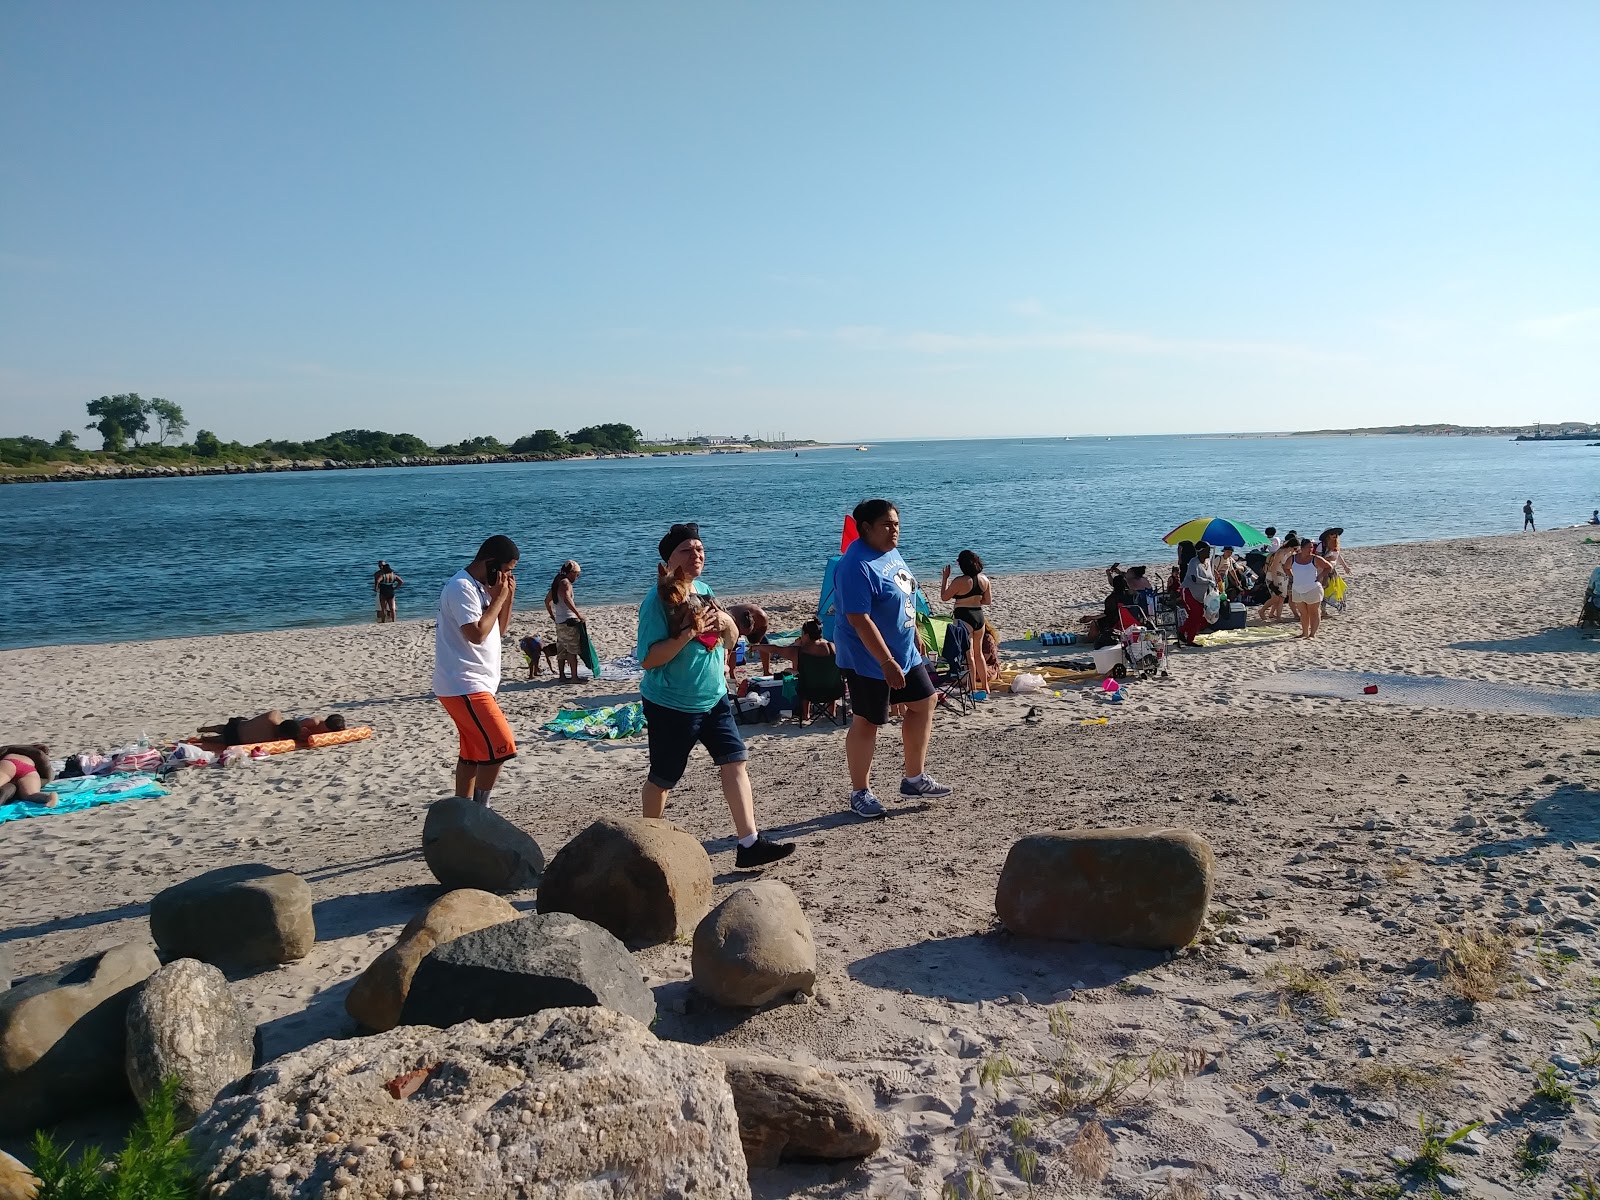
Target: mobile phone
x=493, y=572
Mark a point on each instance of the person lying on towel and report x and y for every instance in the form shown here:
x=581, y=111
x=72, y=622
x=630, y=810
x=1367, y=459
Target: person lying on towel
x=271, y=726
x=24, y=769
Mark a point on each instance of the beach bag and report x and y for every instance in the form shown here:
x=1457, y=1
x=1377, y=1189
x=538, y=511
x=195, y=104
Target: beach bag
x=136, y=759
x=1027, y=683
x=1334, y=589
x=187, y=754
x=1213, y=605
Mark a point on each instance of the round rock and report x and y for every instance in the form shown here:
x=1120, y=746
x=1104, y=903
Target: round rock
x=469, y=845
x=185, y=1023
x=755, y=947
x=246, y=915
x=645, y=880
x=1142, y=887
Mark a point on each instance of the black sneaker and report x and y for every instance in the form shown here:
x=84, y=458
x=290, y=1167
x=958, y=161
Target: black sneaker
x=761, y=852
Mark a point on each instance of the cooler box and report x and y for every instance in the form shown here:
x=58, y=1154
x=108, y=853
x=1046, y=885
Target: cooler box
x=1107, y=658
x=1232, y=616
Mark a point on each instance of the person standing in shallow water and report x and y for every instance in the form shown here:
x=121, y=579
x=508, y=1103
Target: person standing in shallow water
x=876, y=647
x=1527, y=517
x=685, y=695
x=474, y=613
x=386, y=582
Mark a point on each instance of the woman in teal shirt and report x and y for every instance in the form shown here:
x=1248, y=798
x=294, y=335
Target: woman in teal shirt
x=685, y=693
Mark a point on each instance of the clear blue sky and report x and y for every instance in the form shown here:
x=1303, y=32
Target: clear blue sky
x=848, y=221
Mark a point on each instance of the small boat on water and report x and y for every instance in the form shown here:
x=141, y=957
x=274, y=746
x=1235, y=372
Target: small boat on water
x=863, y=447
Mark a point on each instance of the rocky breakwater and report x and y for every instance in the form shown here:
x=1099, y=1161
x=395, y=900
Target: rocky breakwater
x=84, y=472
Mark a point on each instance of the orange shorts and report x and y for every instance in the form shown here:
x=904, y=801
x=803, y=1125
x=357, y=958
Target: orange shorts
x=485, y=736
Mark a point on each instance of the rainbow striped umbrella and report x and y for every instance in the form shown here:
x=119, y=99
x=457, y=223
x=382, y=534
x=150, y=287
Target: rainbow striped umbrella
x=1217, y=531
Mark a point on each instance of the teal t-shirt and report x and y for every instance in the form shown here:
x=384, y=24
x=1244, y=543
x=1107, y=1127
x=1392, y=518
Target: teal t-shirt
x=696, y=679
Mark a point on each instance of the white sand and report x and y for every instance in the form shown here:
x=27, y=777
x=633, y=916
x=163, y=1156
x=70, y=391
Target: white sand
x=1309, y=803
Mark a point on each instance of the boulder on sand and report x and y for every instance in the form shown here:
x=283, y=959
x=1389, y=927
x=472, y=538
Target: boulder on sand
x=185, y=1023
x=250, y=915
x=377, y=996
x=548, y=960
x=791, y=1111
x=644, y=879
x=573, y=1101
x=755, y=947
x=16, y=1181
x=62, y=1037
x=1144, y=887
x=469, y=845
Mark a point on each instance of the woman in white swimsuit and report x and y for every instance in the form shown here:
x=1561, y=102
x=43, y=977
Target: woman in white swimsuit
x=1307, y=570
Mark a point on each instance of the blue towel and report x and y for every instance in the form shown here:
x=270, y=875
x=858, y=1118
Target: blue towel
x=90, y=792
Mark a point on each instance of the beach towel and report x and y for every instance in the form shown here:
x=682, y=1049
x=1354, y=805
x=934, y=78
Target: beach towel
x=622, y=670
x=1249, y=635
x=586, y=651
x=73, y=795
x=599, y=724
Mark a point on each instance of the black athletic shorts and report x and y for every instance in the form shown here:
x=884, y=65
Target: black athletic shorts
x=871, y=699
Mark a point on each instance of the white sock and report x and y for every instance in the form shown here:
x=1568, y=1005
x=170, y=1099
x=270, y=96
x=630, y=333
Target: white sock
x=747, y=842
x=916, y=778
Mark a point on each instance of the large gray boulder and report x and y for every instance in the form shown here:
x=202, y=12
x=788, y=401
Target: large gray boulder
x=644, y=879
x=791, y=1111
x=62, y=1037
x=1143, y=887
x=379, y=993
x=573, y=1102
x=549, y=960
x=755, y=947
x=249, y=915
x=16, y=1181
x=184, y=1023
x=469, y=845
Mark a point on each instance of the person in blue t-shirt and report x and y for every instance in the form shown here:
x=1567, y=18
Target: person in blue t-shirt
x=685, y=693
x=876, y=647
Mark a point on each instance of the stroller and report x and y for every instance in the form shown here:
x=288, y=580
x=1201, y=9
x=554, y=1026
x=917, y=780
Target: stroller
x=1144, y=647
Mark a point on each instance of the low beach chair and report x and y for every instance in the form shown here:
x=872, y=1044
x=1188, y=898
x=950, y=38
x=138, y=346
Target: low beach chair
x=952, y=673
x=820, y=686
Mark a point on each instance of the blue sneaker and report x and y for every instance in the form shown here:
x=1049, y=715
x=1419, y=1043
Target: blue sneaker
x=925, y=786
x=865, y=804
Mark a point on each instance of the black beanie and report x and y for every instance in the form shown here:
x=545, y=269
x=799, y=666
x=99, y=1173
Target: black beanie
x=677, y=536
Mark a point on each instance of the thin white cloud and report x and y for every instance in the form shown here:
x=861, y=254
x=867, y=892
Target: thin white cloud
x=1580, y=323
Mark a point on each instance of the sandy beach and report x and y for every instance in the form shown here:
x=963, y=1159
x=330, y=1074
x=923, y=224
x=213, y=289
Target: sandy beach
x=1354, y=839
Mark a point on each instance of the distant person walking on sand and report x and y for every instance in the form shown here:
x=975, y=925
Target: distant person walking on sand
x=685, y=692
x=562, y=605
x=474, y=613
x=386, y=583
x=971, y=594
x=877, y=652
x=1307, y=572
x=1527, y=517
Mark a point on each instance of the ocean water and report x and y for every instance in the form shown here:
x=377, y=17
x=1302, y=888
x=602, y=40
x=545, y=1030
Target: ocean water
x=92, y=562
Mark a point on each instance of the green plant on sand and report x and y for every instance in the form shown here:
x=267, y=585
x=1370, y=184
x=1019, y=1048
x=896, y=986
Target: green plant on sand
x=153, y=1165
x=1430, y=1163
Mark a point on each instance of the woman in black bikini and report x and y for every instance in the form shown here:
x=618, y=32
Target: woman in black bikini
x=971, y=593
x=386, y=582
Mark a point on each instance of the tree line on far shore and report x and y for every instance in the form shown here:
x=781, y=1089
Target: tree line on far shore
x=124, y=423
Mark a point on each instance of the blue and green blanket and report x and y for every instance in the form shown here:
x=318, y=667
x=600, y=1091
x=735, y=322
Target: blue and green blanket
x=73, y=795
x=599, y=724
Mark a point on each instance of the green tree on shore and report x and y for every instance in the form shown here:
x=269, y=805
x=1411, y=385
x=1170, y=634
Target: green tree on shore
x=540, y=441
x=170, y=421
x=207, y=444
x=118, y=418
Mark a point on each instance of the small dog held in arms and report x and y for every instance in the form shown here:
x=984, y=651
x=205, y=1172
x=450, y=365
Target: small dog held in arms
x=679, y=600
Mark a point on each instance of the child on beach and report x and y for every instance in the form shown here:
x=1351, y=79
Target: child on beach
x=474, y=613
x=532, y=650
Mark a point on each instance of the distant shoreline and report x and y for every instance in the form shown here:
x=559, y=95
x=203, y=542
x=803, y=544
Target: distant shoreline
x=77, y=473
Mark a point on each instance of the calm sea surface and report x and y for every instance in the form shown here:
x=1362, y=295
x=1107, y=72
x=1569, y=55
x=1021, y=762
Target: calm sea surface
x=166, y=557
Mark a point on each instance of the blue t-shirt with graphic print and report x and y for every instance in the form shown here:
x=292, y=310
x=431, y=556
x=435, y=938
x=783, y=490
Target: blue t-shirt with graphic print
x=882, y=586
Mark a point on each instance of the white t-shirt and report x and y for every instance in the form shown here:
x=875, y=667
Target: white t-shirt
x=461, y=668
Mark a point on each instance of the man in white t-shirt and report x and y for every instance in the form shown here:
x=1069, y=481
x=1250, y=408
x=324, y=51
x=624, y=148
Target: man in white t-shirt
x=474, y=613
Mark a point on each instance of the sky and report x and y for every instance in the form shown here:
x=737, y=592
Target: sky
x=832, y=220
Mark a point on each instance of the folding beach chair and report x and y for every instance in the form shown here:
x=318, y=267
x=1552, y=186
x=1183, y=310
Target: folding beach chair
x=952, y=673
x=817, y=681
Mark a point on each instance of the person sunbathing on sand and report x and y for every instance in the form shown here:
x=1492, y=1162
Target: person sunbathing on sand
x=271, y=726
x=23, y=771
